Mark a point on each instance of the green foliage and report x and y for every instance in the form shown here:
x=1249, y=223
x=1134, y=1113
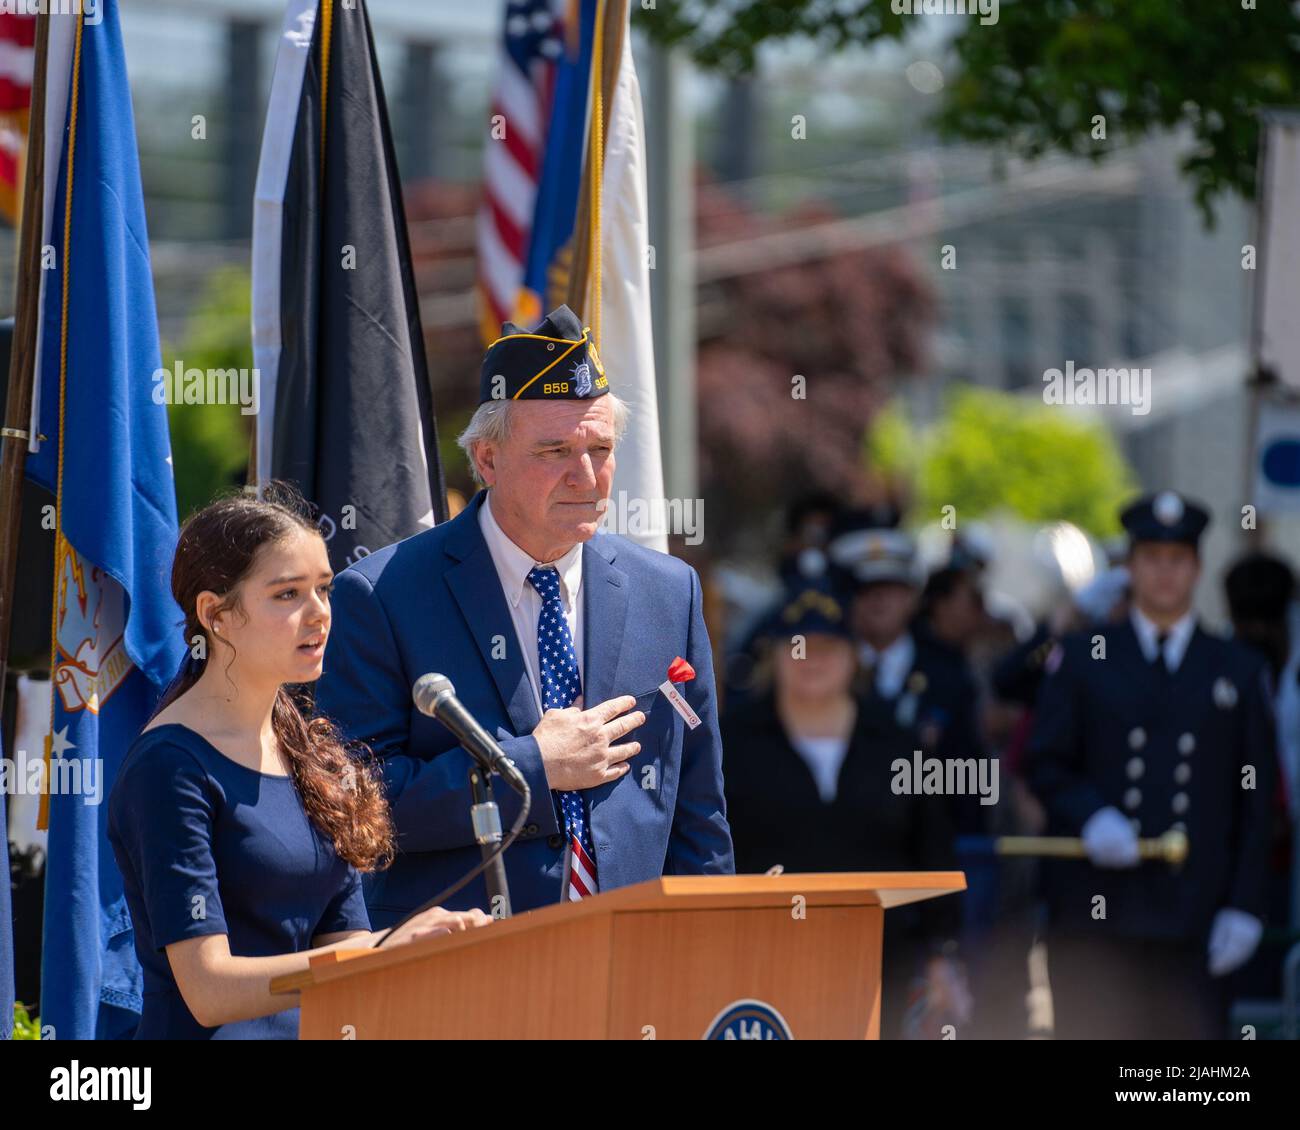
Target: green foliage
x=210, y=442
x=892, y=443
x=25, y=1027
x=995, y=452
x=725, y=34
x=1034, y=80
x=454, y=464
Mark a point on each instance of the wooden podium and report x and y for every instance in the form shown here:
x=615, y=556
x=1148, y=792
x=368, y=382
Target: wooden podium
x=668, y=959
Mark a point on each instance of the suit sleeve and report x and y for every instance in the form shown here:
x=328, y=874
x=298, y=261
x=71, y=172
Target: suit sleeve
x=700, y=841
x=1054, y=763
x=1250, y=845
x=366, y=692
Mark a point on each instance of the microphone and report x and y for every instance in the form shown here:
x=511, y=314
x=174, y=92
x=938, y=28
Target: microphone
x=435, y=696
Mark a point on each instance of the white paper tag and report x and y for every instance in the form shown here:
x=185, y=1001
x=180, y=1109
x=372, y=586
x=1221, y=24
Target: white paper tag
x=679, y=704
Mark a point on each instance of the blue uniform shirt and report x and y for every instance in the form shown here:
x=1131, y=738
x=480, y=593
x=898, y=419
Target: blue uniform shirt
x=208, y=846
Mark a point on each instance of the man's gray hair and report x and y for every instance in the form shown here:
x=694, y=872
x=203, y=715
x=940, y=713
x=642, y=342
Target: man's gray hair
x=491, y=423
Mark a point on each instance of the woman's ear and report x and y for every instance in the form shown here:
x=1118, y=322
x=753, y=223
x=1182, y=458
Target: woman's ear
x=205, y=611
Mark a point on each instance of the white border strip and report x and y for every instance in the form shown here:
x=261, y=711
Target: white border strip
x=268, y=214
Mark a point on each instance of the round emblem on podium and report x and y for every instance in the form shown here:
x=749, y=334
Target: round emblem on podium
x=748, y=1020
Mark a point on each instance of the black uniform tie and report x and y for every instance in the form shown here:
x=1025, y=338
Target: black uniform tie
x=1160, y=662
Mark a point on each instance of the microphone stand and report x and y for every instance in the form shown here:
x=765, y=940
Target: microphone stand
x=485, y=818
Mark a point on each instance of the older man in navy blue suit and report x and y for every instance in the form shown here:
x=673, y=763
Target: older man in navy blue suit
x=554, y=639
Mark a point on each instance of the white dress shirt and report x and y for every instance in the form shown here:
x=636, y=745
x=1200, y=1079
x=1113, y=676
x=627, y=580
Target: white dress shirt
x=892, y=665
x=824, y=758
x=525, y=603
x=1180, y=635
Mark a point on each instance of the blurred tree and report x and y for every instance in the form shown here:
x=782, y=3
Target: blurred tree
x=726, y=34
x=440, y=220
x=793, y=364
x=210, y=442
x=992, y=451
x=1035, y=80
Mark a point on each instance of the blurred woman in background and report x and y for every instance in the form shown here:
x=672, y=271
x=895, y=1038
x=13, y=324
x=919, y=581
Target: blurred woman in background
x=809, y=783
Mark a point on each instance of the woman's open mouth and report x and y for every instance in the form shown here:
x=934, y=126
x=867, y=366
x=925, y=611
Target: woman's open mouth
x=314, y=647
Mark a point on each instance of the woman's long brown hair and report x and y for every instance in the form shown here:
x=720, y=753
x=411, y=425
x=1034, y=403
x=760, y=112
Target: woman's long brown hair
x=340, y=791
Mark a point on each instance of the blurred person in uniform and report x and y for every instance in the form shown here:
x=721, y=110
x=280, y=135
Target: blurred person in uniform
x=1018, y=675
x=925, y=684
x=811, y=520
x=924, y=681
x=1260, y=590
x=809, y=787
x=951, y=610
x=1141, y=726
x=1014, y=677
x=1014, y=682
x=980, y=627
x=808, y=523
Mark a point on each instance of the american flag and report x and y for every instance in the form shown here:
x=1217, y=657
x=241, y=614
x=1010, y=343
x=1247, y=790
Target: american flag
x=17, y=36
x=532, y=45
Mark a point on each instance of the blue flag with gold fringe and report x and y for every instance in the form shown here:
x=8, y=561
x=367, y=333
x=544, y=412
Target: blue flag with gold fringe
x=105, y=453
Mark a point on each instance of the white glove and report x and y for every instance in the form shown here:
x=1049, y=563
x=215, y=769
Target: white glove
x=1109, y=839
x=1233, y=939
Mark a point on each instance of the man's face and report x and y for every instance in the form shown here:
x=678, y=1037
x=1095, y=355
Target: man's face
x=552, y=474
x=1163, y=576
x=881, y=611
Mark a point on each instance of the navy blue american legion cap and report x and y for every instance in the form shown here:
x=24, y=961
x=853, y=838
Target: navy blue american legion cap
x=555, y=361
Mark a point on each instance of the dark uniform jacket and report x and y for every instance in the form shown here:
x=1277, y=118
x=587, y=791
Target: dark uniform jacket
x=939, y=701
x=1018, y=675
x=777, y=814
x=1168, y=750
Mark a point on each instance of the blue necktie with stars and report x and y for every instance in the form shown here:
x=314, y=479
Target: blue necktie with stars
x=561, y=685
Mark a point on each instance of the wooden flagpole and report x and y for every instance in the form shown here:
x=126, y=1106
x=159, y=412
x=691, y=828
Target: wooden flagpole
x=22, y=360
x=611, y=27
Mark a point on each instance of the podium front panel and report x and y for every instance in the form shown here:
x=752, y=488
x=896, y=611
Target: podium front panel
x=674, y=974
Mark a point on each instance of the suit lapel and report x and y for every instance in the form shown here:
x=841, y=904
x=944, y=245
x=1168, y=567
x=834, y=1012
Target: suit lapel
x=477, y=590
x=604, y=618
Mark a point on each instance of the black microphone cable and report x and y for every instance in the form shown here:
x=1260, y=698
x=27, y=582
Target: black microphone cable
x=526, y=794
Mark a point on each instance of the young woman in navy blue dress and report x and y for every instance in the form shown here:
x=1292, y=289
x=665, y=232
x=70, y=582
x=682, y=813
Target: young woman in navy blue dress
x=240, y=824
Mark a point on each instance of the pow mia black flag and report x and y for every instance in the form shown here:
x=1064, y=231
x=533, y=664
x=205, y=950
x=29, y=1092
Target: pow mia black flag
x=345, y=409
